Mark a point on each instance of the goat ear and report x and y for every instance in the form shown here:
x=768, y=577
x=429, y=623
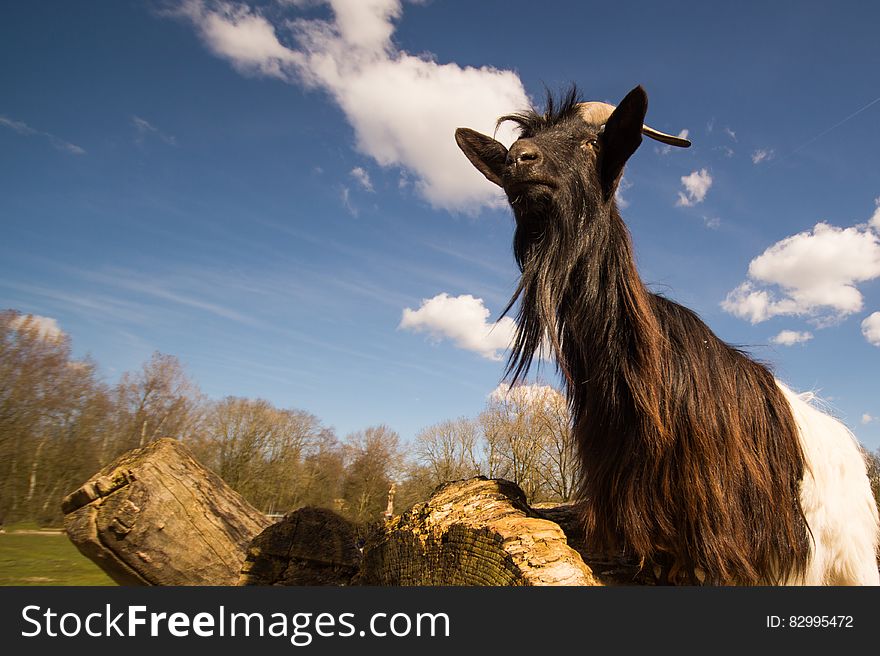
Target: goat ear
x=486, y=154
x=621, y=137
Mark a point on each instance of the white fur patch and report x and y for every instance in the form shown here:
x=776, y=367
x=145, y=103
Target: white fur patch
x=836, y=498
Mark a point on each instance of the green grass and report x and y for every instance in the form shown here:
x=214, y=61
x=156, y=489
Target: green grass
x=45, y=558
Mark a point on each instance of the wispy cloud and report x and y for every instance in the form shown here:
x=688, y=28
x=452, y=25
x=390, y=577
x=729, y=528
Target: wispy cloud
x=696, y=186
x=762, y=155
x=26, y=130
x=622, y=187
x=362, y=178
x=867, y=419
x=144, y=128
x=345, y=197
x=730, y=133
x=791, y=337
x=400, y=105
x=193, y=290
x=874, y=221
x=665, y=150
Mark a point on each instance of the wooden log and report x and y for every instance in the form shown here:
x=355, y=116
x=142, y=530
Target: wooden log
x=310, y=546
x=156, y=516
x=609, y=569
x=473, y=532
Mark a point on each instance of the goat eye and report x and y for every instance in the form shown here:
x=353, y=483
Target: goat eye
x=591, y=142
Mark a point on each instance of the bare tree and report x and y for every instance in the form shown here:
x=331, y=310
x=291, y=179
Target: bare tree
x=559, y=465
x=259, y=450
x=51, y=410
x=158, y=401
x=374, y=462
x=450, y=450
x=526, y=440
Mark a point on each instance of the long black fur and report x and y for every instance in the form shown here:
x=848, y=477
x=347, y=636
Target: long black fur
x=689, y=454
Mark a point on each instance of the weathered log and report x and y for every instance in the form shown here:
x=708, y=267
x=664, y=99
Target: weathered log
x=473, y=532
x=156, y=516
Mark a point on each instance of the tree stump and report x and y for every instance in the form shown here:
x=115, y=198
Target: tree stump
x=156, y=516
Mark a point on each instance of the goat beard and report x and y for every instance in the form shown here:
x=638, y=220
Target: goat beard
x=549, y=243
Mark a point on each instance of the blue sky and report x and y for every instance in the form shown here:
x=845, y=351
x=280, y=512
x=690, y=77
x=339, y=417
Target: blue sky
x=271, y=192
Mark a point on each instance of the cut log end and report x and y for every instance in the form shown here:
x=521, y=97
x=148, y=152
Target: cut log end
x=473, y=532
x=156, y=516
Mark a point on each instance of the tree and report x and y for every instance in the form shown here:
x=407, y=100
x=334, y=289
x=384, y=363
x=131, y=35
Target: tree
x=417, y=484
x=322, y=473
x=873, y=462
x=527, y=440
x=51, y=410
x=449, y=450
x=374, y=461
x=260, y=450
x=559, y=464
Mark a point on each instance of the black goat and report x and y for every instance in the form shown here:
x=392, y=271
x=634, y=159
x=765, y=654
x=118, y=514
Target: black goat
x=692, y=456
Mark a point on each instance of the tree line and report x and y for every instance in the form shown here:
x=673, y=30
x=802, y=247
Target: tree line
x=60, y=423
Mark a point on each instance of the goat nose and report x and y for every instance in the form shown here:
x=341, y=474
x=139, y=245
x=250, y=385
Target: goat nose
x=523, y=153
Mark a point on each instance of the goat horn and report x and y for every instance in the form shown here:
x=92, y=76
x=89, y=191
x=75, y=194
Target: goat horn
x=597, y=113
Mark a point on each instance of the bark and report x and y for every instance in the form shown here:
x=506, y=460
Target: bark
x=311, y=546
x=156, y=516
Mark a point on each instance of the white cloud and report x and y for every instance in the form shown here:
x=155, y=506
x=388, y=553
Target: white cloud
x=816, y=271
x=625, y=184
x=665, y=150
x=762, y=155
x=144, y=127
x=871, y=329
x=242, y=36
x=363, y=178
x=874, y=221
x=867, y=419
x=403, y=108
x=526, y=394
x=791, y=337
x=730, y=133
x=696, y=186
x=46, y=327
x=462, y=319
x=26, y=130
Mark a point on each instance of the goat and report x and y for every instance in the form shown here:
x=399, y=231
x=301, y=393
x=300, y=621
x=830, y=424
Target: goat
x=693, y=457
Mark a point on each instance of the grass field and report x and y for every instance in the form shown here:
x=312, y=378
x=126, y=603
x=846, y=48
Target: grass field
x=32, y=557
